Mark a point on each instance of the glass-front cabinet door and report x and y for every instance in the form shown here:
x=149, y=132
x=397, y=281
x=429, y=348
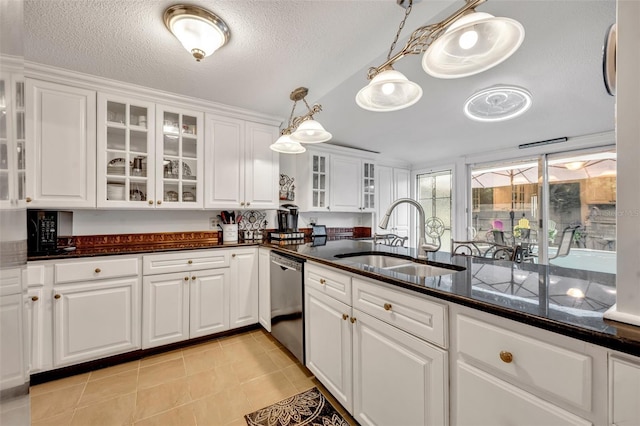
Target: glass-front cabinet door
x=368, y=186
x=179, y=157
x=126, y=153
x=319, y=181
x=12, y=141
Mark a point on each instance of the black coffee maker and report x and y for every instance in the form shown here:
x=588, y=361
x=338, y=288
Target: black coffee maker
x=288, y=218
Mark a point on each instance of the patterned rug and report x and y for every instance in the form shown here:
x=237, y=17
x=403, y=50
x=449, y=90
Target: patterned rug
x=306, y=408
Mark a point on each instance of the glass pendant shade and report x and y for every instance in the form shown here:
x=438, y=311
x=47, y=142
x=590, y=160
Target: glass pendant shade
x=390, y=90
x=200, y=31
x=310, y=131
x=286, y=145
x=472, y=44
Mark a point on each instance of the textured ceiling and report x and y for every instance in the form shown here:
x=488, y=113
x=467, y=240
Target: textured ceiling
x=327, y=45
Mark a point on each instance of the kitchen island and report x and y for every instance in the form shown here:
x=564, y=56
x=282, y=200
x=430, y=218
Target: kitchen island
x=525, y=292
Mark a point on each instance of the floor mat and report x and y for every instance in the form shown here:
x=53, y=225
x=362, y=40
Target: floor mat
x=307, y=408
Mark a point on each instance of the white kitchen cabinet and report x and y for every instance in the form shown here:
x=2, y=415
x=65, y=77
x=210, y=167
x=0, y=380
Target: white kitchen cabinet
x=624, y=388
x=345, y=184
x=179, y=173
x=182, y=305
x=368, y=186
x=264, y=288
x=242, y=171
x=328, y=344
x=12, y=349
x=392, y=365
x=95, y=319
x=504, y=372
x=149, y=156
x=368, y=359
x=185, y=295
x=36, y=311
x=334, y=182
x=126, y=152
x=243, y=293
x=393, y=183
x=61, y=146
x=487, y=400
x=12, y=141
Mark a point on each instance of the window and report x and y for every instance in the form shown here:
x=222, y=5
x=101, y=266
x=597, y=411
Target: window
x=434, y=195
x=581, y=191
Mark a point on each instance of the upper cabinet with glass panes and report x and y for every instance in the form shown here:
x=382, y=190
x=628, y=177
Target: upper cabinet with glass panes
x=179, y=157
x=12, y=141
x=126, y=152
x=149, y=156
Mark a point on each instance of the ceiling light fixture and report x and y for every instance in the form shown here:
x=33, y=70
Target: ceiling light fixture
x=465, y=43
x=497, y=103
x=200, y=31
x=301, y=129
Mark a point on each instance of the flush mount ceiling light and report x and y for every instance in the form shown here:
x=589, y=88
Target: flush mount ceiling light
x=465, y=43
x=200, y=31
x=497, y=103
x=301, y=129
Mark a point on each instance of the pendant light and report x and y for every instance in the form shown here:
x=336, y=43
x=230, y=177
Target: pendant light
x=390, y=90
x=200, y=31
x=302, y=129
x=472, y=44
x=286, y=145
x=465, y=43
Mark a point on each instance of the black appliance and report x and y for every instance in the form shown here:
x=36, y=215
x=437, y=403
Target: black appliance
x=288, y=218
x=44, y=227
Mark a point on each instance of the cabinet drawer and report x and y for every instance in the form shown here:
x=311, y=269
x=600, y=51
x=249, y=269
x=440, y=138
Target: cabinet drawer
x=95, y=269
x=411, y=313
x=329, y=282
x=557, y=372
x=184, y=261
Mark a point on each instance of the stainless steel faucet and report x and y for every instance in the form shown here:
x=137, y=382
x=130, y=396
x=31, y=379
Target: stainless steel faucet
x=422, y=242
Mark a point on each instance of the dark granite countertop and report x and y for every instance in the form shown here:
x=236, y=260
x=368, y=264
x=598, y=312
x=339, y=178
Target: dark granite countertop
x=528, y=293
x=524, y=292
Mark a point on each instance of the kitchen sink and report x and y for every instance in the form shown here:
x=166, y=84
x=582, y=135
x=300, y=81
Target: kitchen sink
x=421, y=270
x=397, y=264
x=376, y=260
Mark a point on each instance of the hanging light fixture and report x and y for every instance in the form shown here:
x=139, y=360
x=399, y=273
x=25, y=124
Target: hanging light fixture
x=200, y=31
x=302, y=129
x=465, y=43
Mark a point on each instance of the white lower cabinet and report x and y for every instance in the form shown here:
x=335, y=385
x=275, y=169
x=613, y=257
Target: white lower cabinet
x=12, y=367
x=243, y=306
x=485, y=400
x=505, y=372
x=398, y=379
x=183, y=305
x=624, y=390
x=95, y=319
x=328, y=344
x=264, y=288
x=377, y=370
x=216, y=290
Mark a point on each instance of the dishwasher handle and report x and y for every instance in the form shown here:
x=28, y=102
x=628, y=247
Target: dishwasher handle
x=286, y=263
x=283, y=265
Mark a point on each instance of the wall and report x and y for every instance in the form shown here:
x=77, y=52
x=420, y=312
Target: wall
x=101, y=222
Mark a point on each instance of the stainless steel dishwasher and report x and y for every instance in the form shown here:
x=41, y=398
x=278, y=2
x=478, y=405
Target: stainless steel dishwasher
x=287, y=320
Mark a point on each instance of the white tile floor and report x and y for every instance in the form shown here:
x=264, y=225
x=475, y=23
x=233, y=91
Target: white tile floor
x=213, y=383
